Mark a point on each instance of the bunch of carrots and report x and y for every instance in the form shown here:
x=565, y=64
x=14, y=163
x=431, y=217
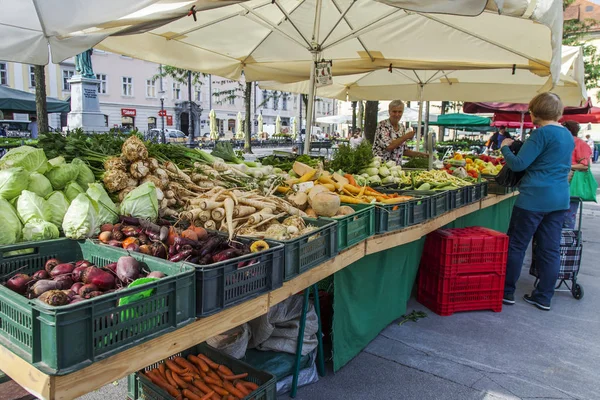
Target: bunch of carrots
x=200, y=378
x=352, y=193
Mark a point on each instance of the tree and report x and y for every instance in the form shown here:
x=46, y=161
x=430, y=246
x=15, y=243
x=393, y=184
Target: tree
x=247, y=101
x=41, y=107
x=185, y=77
x=371, y=111
x=575, y=33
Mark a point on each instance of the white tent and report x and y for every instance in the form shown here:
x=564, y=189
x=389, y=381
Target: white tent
x=409, y=115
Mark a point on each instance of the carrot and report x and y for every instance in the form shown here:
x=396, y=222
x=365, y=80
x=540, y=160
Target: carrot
x=251, y=385
x=218, y=389
x=180, y=382
x=187, y=378
x=170, y=379
x=329, y=186
x=195, y=390
x=351, y=200
x=210, y=362
x=163, y=385
x=186, y=364
x=395, y=200
x=214, y=381
x=213, y=374
x=225, y=370
x=162, y=370
x=174, y=367
x=283, y=189
x=240, y=386
x=201, y=385
x=193, y=396
x=351, y=179
x=233, y=377
x=201, y=364
x=233, y=390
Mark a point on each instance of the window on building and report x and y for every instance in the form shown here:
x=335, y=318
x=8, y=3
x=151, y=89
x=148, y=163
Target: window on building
x=31, y=76
x=127, y=86
x=284, y=100
x=198, y=95
x=102, y=86
x=3, y=74
x=66, y=75
x=176, y=91
x=231, y=99
x=275, y=102
x=150, y=88
x=265, y=95
x=589, y=8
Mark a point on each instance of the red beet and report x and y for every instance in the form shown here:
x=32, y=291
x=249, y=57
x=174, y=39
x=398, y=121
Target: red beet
x=128, y=269
x=62, y=269
x=18, y=283
x=94, y=294
x=86, y=290
x=50, y=264
x=76, y=287
x=83, y=263
x=63, y=282
x=133, y=247
x=156, y=274
x=115, y=243
x=77, y=273
x=42, y=286
x=112, y=267
x=103, y=280
x=41, y=274
x=76, y=299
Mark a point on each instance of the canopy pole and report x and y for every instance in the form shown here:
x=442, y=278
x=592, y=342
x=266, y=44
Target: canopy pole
x=522, y=124
x=420, y=119
x=310, y=106
x=429, y=146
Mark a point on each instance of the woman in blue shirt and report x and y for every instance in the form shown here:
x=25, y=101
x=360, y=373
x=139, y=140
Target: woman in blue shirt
x=544, y=196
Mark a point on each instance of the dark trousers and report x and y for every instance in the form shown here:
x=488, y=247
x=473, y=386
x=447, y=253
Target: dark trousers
x=546, y=227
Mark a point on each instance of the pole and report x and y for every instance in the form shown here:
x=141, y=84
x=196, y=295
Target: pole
x=310, y=108
x=163, y=139
x=522, y=124
x=190, y=119
x=255, y=116
x=420, y=119
x=430, y=137
x=353, y=116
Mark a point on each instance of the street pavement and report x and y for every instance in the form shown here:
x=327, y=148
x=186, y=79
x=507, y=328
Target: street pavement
x=520, y=353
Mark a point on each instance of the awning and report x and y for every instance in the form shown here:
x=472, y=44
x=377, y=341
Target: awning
x=24, y=102
x=461, y=120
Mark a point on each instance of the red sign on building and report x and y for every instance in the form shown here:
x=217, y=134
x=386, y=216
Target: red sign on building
x=128, y=112
x=162, y=113
x=169, y=120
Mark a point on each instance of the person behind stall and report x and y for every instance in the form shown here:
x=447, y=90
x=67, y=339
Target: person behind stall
x=356, y=139
x=391, y=135
x=590, y=142
x=543, y=200
x=33, y=128
x=496, y=140
x=580, y=161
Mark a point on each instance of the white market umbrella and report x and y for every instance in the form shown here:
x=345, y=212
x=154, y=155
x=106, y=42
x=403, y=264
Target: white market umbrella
x=278, y=125
x=260, y=123
x=32, y=29
x=335, y=119
x=214, y=134
x=239, y=134
x=409, y=115
x=281, y=39
x=294, y=128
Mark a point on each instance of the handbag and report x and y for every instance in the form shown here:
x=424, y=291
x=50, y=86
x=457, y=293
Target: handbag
x=584, y=185
x=507, y=177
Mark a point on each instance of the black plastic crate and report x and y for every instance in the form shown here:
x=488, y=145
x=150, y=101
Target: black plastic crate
x=267, y=384
x=470, y=191
x=481, y=190
x=458, y=197
x=227, y=283
x=419, y=210
x=391, y=217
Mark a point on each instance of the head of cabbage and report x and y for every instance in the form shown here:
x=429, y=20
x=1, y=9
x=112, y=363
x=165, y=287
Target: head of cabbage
x=31, y=206
x=108, y=212
x=62, y=174
x=30, y=158
x=37, y=229
x=85, y=175
x=81, y=220
x=12, y=182
x=39, y=184
x=11, y=224
x=141, y=202
x=58, y=204
x=72, y=190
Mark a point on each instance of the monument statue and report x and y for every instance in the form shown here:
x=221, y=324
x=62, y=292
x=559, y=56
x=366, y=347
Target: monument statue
x=83, y=64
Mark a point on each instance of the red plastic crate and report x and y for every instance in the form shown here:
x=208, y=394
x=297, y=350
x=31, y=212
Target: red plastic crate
x=432, y=265
x=466, y=250
x=446, y=295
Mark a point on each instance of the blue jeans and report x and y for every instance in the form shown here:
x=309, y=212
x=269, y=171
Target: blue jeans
x=571, y=216
x=546, y=227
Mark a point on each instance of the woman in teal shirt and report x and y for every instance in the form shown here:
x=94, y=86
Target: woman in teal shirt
x=544, y=197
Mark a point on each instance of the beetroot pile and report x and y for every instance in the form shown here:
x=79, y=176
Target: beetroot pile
x=194, y=244
x=59, y=283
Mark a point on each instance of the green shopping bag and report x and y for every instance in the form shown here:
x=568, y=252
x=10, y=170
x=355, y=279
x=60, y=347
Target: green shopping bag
x=584, y=185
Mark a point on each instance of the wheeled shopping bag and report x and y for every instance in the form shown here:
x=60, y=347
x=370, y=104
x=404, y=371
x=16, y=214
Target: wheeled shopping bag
x=571, y=248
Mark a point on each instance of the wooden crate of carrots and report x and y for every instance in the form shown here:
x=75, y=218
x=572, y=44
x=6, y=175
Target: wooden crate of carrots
x=205, y=373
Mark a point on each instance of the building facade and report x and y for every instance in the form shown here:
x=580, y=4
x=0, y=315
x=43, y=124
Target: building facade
x=130, y=95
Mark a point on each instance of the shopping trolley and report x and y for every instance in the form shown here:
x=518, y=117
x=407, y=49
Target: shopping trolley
x=571, y=248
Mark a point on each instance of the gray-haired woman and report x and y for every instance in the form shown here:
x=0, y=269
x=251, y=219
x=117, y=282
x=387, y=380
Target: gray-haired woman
x=391, y=135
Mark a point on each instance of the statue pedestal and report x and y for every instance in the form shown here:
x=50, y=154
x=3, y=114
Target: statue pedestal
x=85, y=105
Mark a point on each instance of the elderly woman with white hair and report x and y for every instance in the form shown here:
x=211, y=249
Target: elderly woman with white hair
x=391, y=135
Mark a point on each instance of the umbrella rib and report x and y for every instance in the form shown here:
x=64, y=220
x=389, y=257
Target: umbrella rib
x=372, y=25
x=518, y=53
x=289, y=19
x=349, y=25
x=201, y=26
x=23, y=28
x=267, y=24
x=401, y=72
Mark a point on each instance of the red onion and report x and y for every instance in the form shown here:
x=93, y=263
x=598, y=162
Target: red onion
x=18, y=283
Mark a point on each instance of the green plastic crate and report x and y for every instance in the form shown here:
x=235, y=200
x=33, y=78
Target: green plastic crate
x=61, y=340
x=312, y=249
x=267, y=384
x=354, y=228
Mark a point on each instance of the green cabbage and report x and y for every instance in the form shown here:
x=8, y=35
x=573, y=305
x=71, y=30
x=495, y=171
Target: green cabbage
x=109, y=214
x=374, y=180
x=372, y=171
x=85, y=176
x=388, y=179
x=81, y=219
x=37, y=229
x=141, y=202
x=390, y=164
x=30, y=158
x=72, y=190
x=384, y=171
x=58, y=204
x=11, y=233
x=12, y=182
x=56, y=161
x=39, y=184
x=61, y=175
x=30, y=206
x=375, y=163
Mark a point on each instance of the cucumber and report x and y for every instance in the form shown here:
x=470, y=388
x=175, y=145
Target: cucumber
x=425, y=186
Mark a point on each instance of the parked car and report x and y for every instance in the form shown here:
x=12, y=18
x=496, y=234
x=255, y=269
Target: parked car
x=171, y=135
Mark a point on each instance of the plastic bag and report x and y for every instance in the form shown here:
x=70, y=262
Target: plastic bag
x=584, y=186
x=234, y=342
x=507, y=177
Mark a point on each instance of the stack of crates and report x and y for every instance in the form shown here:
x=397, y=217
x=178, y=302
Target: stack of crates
x=463, y=270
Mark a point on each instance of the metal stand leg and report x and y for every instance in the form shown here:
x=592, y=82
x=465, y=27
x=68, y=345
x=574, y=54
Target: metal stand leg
x=320, y=353
x=299, y=344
